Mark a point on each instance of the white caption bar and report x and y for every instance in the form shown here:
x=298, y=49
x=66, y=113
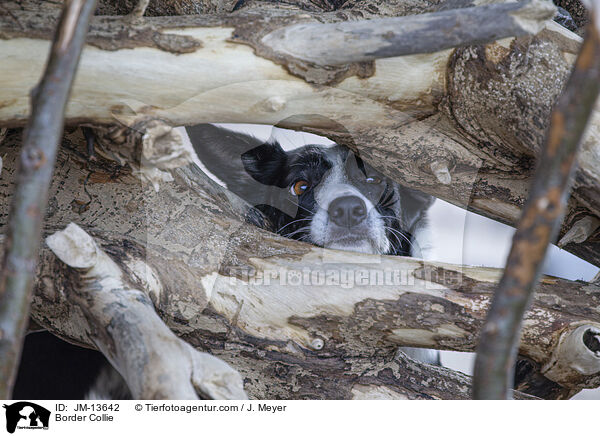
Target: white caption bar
x=305, y=418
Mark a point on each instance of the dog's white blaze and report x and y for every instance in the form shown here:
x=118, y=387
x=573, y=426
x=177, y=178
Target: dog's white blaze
x=334, y=185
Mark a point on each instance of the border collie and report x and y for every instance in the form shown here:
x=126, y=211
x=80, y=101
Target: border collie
x=327, y=196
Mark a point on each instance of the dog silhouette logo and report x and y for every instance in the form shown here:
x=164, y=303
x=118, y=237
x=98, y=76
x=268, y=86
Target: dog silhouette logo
x=26, y=415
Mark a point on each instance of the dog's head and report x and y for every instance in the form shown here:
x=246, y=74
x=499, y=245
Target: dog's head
x=323, y=195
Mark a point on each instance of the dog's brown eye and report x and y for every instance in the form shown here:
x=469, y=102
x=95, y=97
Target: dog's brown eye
x=299, y=187
x=373, y=180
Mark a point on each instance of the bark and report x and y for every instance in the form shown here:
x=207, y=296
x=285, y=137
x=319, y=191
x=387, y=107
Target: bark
x=335, y=339
x=529, y=378
x=157, y=365
x=577, y=10
x=473, y=118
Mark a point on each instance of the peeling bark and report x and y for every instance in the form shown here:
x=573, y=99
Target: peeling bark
x=481, y=111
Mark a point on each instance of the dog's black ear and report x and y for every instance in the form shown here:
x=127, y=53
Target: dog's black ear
x=220, y=151
x=236, y=157
x=252, y=169
x=267, y=164
x=414, y=206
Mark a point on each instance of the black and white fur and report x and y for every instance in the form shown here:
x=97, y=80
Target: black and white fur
x=346, y=204
x=263, y=174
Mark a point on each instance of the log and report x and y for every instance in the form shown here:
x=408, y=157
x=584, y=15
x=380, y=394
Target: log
x=121, y=322
x=361, y=41
x=124, y=326
x=478, y=114
x=320, y=337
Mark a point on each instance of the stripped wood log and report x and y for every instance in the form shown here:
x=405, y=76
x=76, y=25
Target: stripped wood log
x=124, y=326
x=481, y=110
x=120, y=321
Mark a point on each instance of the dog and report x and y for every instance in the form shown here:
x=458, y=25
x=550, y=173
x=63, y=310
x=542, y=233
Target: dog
x=326, y=196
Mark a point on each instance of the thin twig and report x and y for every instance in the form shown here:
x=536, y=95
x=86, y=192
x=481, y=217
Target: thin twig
x=140, y=8
x=366, y=40
x=539, y=222
x=38, y=155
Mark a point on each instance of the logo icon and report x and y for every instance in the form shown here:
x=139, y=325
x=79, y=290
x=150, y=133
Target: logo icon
x=26, y=415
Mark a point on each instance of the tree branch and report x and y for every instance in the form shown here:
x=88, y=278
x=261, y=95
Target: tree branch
x=41, y=139
x=140, y=8
x=121, y=322
x=360, y=41
x=155, y=363
x=538, y=225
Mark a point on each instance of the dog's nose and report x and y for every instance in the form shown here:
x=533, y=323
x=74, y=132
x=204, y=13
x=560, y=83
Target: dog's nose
x=347, y=211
